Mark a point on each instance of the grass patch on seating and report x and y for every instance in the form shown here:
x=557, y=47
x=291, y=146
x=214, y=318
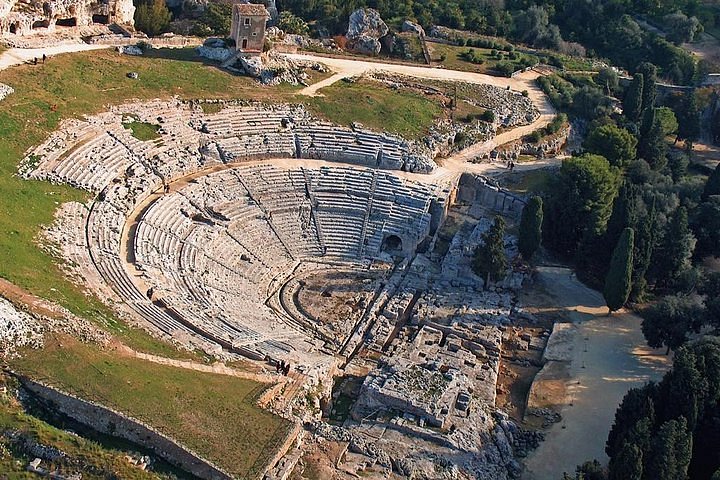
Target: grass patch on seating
x=144, y=131
x=214, y=415
x=377, y=107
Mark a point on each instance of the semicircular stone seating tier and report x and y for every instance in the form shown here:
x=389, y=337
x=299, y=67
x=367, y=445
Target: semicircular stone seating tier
x=204, y=257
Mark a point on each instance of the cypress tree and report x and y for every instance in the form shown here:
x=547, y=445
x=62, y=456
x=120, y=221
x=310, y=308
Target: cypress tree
x=624, y=213
x=632, y=103
x=712, y=186
x=688, y=118
x=490, y=262
x=652, y=147
x=531, y=228
x=671, y=451
x=619, y=278
x=649, y=72
x=628, y=464
x=645, y=243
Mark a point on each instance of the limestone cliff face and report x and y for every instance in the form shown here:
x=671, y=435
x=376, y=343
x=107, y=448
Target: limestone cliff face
x=22, y=17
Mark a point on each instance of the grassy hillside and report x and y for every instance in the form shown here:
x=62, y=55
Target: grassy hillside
x=215, y=415
x=376, y=106
x=99, y=461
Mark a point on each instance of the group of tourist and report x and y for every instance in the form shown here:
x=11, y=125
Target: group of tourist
x=282, y=367
x=35, y=59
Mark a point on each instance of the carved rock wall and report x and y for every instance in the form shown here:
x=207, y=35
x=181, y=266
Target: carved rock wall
x=23, y=17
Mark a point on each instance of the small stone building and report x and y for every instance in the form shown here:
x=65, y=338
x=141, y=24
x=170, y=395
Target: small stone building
x=248, y=27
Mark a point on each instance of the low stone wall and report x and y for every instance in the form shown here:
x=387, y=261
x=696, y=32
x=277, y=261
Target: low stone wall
x=110, y=422
x=477, y=189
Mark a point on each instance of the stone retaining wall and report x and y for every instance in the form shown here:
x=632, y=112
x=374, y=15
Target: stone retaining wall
x=478, y=189
x=110, y=422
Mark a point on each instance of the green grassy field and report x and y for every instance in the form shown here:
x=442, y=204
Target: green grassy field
x=453, y=60
x=376, y=106
x=214, y=415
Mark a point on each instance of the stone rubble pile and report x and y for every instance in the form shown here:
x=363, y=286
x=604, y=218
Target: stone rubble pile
x=18, y=329
x=5, y=90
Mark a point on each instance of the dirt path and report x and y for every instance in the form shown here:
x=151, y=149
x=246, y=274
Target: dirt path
x=18, y=56
x=609, y=357
x=345, y=68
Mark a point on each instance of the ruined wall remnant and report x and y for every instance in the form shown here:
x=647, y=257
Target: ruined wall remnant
x=105, y=420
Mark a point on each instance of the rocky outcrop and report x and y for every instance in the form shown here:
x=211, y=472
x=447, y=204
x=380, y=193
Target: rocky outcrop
x=22, y=17
x=365, y=29
x=5, y=90
x=412, y=27
x=546, y=147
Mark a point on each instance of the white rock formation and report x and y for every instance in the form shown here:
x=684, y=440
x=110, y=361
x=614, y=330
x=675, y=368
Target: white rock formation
x=5, y=90
x=412, y=27
x=365, y=29
x=17, y=329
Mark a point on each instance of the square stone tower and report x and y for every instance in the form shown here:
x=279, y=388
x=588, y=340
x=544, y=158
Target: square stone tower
x=248, y=27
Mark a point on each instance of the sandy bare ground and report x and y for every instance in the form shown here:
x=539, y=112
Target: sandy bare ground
x=609, y=356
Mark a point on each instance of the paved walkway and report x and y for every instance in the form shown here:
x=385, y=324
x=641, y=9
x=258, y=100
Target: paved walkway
x=609, y=357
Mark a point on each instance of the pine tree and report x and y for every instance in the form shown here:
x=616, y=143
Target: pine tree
x=668, y=322
x=616, y=144
x=490, y=262
x=530, y=234
x=632, y=103
x=619, y=278
x=712, y=186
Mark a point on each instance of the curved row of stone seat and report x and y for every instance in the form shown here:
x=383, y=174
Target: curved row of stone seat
x=239, y=120
x=213, y=263
x=90, y=154
x=202, y=249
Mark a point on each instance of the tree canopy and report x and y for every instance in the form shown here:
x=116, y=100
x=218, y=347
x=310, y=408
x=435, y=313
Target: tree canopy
x=619, y=278
x=490, y=262
x=531, y=221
